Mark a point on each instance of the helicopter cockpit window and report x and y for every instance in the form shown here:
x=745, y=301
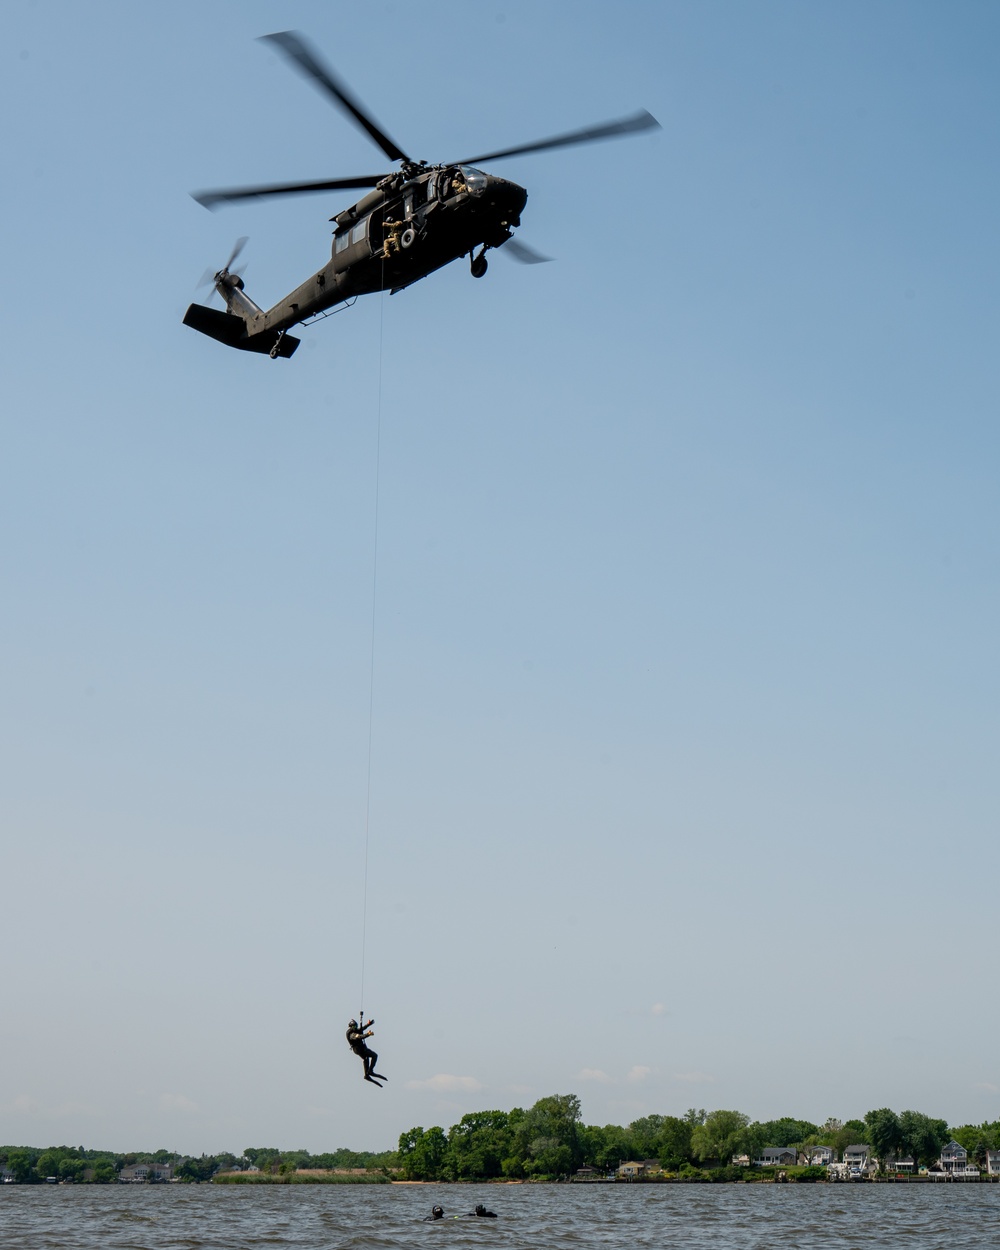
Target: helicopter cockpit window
x=359, y=231
x=475, y=179
x=342, y=241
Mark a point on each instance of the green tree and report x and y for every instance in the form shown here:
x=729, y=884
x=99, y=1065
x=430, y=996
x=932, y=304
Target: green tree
x=103, y=1173
x=21, y=1163
x=885, y=1135
x=645, y=1134
x=604, y=1146
x=786, y=1131
x=547, y=1141
x=753, y=1140
x=922, y=1137
x=719, y=1137
x=71, y=1168
x=49, y=1160
x=202, y=1169
x=478, y=1145
x=674, y=1143
x=262, y=1156
x=422, y=1154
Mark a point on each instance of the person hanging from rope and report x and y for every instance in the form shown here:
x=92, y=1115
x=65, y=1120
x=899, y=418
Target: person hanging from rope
x=356, y=1035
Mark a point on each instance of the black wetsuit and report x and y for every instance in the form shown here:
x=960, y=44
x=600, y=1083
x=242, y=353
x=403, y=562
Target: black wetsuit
x=356, y=1041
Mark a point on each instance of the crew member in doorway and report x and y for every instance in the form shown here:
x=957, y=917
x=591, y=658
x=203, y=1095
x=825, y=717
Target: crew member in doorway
x=393, y=231
x=356, y=1035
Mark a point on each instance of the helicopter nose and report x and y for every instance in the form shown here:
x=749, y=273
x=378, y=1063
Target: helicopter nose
x=507, y=195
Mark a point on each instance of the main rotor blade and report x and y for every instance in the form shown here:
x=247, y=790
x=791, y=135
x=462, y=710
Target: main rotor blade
x=610, y=130
x=523, y=253
x=299, y=52
x=212, y=199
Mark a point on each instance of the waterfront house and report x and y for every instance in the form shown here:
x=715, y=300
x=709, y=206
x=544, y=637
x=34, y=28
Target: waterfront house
x=141, y=1173
x=858, y=1156
x=954, y=1158
x=821, y=1156
x=993, y=1163
x=776, y=1157
x=905, y=1164
x=631, y=1171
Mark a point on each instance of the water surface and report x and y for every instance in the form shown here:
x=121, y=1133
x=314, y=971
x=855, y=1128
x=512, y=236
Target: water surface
x=532, y=1217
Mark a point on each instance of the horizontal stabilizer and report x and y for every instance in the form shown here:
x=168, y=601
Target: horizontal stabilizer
x=232, y=331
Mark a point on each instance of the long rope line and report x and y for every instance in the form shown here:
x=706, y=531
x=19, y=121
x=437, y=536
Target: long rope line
x=371, y=670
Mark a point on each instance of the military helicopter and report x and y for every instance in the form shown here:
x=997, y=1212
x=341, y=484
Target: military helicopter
x=412, y=221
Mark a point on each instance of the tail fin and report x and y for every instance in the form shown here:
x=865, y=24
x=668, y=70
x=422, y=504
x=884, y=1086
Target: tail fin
x=231, y=330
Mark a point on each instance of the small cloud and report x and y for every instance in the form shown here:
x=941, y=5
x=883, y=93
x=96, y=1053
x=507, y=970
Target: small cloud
x=694, y=1078
x=593, y=1074
x=658, y=1009
x=177, y=1102
x=989, y=1087
x=638, y=1073
x=443, y=1083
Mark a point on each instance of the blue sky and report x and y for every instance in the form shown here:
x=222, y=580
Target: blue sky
x=684, y=730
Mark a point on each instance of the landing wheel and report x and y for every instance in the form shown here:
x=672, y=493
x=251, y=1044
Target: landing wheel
x=479, y=266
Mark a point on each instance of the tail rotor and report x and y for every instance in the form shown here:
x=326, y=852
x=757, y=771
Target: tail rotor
x=226, y=276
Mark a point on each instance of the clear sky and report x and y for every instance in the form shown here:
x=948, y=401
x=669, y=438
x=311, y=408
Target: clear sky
x=683, y=785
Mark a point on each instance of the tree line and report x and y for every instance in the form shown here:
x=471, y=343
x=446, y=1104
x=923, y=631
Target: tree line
x=547, y=1141
x=550, y=1141
x=29, y=1165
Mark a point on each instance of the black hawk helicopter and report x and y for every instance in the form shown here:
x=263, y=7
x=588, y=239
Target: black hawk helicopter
x=412, y=221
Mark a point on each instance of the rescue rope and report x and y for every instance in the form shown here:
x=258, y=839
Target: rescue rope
x=371, y=668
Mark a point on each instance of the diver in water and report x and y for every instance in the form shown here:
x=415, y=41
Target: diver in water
x=481, y=1210
x=356, y=1040
x=437, y=1213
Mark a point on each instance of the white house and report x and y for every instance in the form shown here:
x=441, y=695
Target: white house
x=821, y=1156
x=993, y=1162
x=858, y=1156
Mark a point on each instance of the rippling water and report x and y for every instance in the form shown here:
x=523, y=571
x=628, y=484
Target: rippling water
x=722, y=1217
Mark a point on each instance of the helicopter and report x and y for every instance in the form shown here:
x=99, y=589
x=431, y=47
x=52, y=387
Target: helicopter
x=413, y=220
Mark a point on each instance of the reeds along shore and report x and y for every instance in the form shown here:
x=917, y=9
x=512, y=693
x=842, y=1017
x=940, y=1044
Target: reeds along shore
x=311, y=1176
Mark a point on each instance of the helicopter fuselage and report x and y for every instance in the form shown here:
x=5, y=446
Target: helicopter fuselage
x=398, y=233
